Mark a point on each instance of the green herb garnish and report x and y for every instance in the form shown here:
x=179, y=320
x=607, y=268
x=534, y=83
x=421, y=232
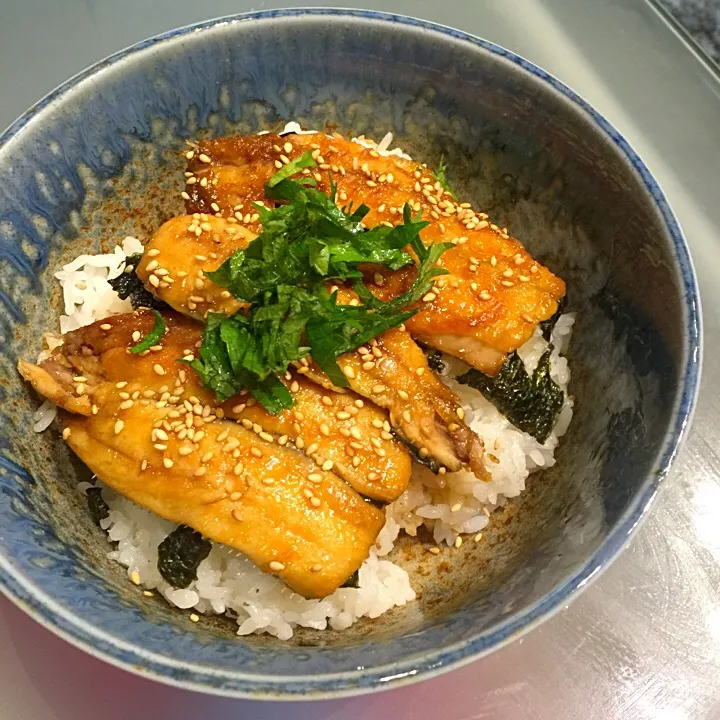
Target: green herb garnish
x=283, y=275
x=305, y=160
x=153, y=337
x=441, y=176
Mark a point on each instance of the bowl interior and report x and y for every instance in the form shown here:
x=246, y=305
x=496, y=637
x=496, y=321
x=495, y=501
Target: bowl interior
x=102, y=161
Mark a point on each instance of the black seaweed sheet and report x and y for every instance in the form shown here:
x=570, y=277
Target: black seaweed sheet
x=179, y=555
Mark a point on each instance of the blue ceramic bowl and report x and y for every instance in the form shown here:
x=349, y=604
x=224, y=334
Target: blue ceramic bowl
x=98, y=159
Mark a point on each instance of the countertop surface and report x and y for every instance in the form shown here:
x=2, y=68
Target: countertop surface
x=700, y=19
x=643, y=642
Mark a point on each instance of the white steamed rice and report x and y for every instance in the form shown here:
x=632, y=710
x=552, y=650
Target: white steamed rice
x=450, y=506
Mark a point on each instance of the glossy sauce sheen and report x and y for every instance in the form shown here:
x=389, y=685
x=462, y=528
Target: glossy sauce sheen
x=186, y=462
x=391, y=371
x=495, y=293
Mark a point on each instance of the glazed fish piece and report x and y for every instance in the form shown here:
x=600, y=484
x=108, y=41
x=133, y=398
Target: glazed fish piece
x=425, y=412
x=339, y=431
x=180, y=251
x=495, y=293
x=169, y=452
x=182, y=256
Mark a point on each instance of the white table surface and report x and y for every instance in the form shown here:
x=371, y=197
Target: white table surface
x=643, y=641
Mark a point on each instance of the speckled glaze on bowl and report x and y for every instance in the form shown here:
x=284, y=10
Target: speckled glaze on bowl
x=98, y=159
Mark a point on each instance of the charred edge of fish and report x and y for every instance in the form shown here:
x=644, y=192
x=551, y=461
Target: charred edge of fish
x=180, y=554
x=429, y=462
x=129, y=286
x=531, y=403
x=546, y=326
x=99, y=509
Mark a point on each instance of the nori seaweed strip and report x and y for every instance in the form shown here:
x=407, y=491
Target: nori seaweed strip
x=532, y=404
x=435, y=361
x=429, y=462
x=98, y=508
x=179, y=555
x=547, y=325
x=353, y=581
x=129, y=285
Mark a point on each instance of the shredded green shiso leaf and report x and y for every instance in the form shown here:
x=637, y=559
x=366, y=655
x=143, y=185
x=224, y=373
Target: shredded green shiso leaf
x=441, y=176
x=153, y=337
x=283, y=275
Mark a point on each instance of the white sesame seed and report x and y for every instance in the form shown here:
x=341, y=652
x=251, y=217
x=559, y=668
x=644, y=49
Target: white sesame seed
x=159, y=370
x=135, y=577
x=276, y=566
x=119, y=425
x=66, y=433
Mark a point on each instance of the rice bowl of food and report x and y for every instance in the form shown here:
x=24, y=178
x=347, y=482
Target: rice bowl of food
x=337, y=380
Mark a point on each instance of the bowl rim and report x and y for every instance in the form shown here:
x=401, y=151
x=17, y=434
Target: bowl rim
x=44, y=609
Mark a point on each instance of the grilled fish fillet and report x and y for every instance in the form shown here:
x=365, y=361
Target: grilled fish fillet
x=393, y=373
x=495, y=293
x=147, y=433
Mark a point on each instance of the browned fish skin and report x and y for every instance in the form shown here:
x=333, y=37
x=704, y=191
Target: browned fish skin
x=495, y=293
x=152, y=436
x=421, y=407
